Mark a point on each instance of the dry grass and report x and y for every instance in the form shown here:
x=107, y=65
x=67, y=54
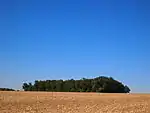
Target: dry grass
x=41, y=102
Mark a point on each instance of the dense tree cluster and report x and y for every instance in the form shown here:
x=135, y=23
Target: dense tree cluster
x=6, y=89
x=99, y=84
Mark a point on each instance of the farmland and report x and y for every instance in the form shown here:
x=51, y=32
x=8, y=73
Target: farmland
x=59, y=102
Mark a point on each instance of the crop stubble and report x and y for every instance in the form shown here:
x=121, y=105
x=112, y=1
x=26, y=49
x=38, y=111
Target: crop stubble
x=60, y=102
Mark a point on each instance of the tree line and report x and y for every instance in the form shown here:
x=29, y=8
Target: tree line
x=99, y=84
x=6, y=89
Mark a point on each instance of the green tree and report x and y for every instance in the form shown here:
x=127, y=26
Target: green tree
x=127, y=89
x=98, y=84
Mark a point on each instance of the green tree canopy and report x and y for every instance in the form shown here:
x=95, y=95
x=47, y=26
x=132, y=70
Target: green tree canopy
x=98, y=84
x=6, y=89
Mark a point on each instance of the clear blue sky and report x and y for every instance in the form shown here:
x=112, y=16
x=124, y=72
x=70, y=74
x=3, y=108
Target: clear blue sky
x=62, y=39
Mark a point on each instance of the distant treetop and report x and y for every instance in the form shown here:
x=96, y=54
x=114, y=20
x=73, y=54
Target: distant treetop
x=6, y=89
x=99, y=84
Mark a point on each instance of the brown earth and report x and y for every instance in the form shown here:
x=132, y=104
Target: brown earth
x=48, y=102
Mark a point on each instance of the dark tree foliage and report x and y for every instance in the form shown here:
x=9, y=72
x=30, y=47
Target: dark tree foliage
x=127, y=89
x=99, y=84
x=6, y=89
